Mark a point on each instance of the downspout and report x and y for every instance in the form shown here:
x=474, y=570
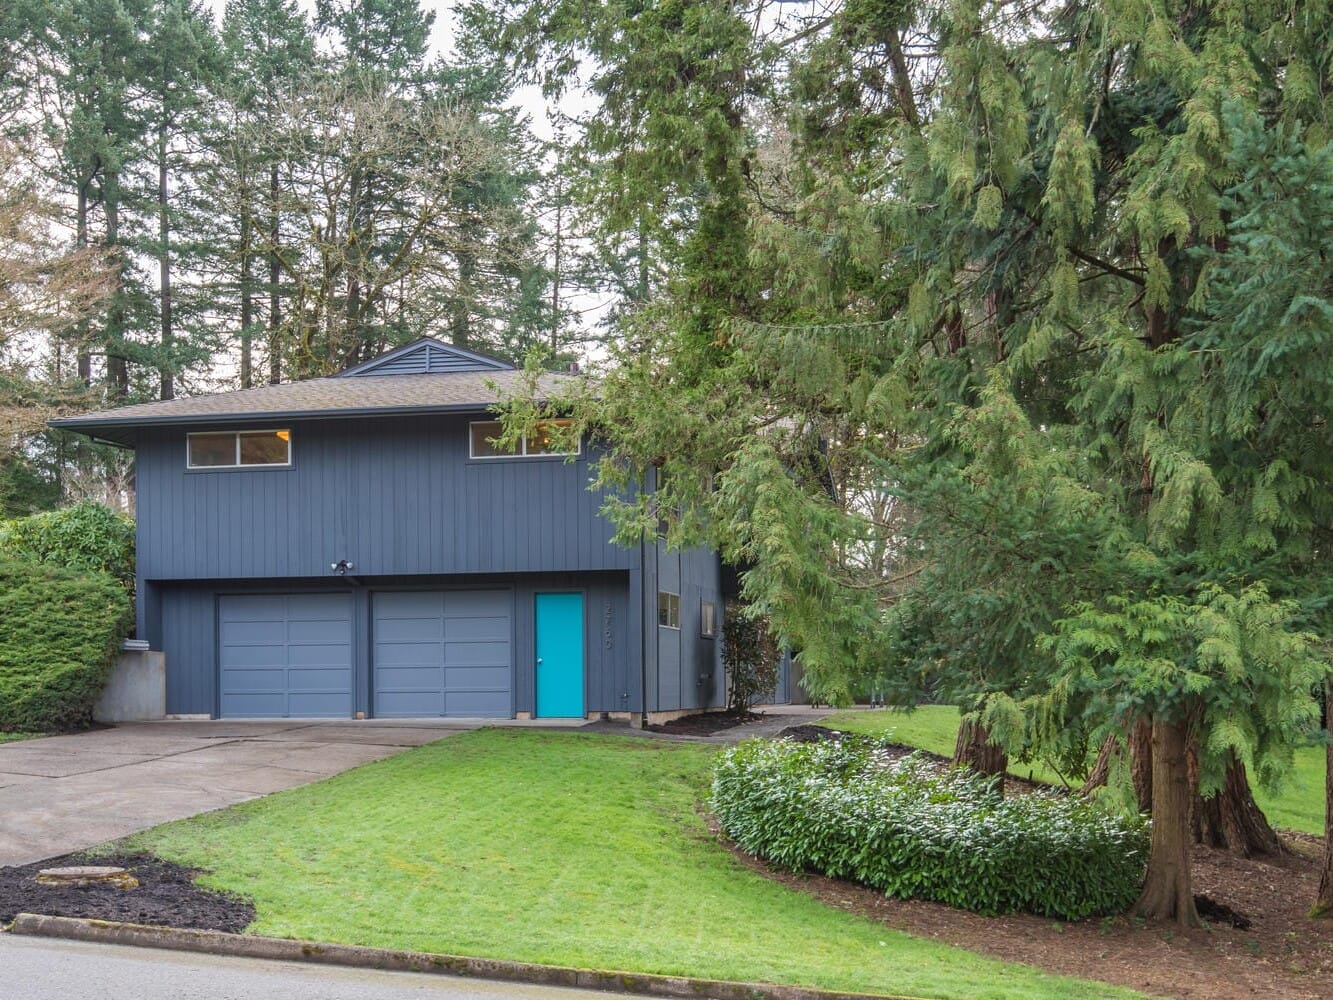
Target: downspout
x=643, y=630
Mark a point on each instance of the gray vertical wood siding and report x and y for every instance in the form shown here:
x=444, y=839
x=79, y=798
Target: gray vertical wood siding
x=393, y=496
x=401, y=499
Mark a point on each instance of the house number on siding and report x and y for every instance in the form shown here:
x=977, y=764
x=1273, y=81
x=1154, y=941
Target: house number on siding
x=606, y=625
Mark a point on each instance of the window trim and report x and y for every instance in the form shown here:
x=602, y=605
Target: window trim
x=237, y=464
x=523, y=444
x=672, y=598
x=707, y=622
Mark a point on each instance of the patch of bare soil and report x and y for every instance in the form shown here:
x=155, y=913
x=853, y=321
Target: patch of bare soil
x=1282, y=953
x=166, y=896
x=705, y=723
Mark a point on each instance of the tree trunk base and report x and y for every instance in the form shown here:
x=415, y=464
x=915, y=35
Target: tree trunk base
x=974, y=749
x=1168, y=893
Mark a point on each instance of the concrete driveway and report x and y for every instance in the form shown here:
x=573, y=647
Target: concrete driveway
x=66, y=793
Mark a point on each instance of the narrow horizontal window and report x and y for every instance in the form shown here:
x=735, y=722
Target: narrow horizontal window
x=237, y=449
x=545, y=439
x=668, y=609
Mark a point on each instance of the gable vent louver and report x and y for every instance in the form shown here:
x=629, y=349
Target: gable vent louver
x=430, y=358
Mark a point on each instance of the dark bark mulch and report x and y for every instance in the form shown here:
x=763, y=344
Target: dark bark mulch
x=705, y=723
x=166, y=896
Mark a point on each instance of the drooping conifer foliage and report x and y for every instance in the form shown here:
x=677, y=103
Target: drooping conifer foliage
x=1013, y=384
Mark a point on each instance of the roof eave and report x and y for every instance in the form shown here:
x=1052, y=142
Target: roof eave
x=92, y=427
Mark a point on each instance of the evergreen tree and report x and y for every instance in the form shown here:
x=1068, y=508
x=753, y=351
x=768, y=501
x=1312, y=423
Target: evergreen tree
x=180, y=65
x=1001, y=288
x=267, y=46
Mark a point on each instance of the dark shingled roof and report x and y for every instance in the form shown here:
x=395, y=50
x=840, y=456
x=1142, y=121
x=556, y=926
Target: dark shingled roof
x=364, y=396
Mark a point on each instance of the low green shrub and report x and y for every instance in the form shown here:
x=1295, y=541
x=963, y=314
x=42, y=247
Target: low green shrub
x=60, y=632
x=84, y=536
x=905, y=828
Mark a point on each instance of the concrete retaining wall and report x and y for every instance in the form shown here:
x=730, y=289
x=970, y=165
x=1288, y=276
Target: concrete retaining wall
x=137, y=688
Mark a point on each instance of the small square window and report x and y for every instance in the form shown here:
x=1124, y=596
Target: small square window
x=483, y=434
x=212, y=450
x=265, y=447
x=668, y=609
x=543, y=440
x=708, y=619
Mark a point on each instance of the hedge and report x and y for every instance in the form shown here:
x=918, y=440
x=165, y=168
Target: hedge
x=60, y=632
x=908, y=829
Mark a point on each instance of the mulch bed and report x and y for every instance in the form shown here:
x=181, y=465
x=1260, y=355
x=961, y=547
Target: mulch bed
x=1282, y=956
x=167, y=895
x=705, y=723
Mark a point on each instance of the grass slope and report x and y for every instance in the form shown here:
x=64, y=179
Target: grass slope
x=558, y=848
x=1298, y=805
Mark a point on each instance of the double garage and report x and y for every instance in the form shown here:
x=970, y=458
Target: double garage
x=433, y=653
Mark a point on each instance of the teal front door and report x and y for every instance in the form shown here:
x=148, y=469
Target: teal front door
x=560, y=656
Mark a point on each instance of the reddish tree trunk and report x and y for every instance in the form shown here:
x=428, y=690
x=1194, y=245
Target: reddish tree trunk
x=1101, y=768
x=1323, y=906
x=975, y=750
x=1141, y=763
x=1231, y=820
x=1168, y=892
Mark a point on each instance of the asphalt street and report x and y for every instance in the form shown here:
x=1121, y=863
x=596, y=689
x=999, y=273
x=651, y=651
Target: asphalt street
x=46, y=969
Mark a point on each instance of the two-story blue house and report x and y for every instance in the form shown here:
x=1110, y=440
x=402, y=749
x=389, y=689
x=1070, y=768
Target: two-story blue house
x=357, y=546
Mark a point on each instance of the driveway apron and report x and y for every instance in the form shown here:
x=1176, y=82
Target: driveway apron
x=66, y=793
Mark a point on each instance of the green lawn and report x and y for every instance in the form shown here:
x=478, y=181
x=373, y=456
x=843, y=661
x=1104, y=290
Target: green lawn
x=1299, y=805
x=558, y=848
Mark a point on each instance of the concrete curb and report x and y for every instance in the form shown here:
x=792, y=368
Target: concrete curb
x=282, y=949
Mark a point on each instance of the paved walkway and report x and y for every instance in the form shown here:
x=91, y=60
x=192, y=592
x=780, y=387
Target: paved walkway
x=66, y=793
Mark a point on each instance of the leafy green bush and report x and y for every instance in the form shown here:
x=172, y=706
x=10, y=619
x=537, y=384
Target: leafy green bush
x=84, y=536
x=60, y=632
x=903, y=827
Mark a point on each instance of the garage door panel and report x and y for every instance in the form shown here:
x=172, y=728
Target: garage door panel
x=327, y=679
x=463, y=647
x=254, y=681
x=255, y=608
x=254, y=704
x=423, y=678
x=486, y=603
x=324, y=654
x=408, y=654
x=254, y=657
x=285, y=655
x=476, y=654
x=316, y=607
x=318, y=705
x=477, y=704
x=410, y=629
x=319, y=632
x=410, y=704
x=473, y=629
x=479, y=679
x=422, y=605
x=252, y=632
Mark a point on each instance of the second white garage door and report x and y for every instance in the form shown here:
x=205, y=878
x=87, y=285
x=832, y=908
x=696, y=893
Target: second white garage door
x=443, y=653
